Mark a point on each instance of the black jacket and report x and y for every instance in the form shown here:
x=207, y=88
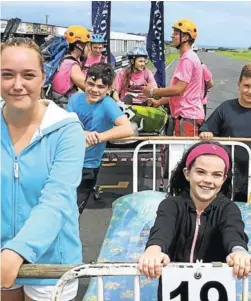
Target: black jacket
x=221, y=229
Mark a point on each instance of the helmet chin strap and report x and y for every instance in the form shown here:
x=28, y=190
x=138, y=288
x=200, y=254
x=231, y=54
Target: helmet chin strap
x=181, y=43
x=82, y=56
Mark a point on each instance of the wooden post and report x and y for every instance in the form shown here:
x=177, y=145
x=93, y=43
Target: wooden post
x=47, y=271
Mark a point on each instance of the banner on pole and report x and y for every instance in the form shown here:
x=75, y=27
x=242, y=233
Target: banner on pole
x=101, y=22
x=155, y=41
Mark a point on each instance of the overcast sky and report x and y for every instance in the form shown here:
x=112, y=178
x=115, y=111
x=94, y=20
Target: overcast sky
x=221, y=23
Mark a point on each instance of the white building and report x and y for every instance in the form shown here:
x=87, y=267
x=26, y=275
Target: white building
x=120, y=42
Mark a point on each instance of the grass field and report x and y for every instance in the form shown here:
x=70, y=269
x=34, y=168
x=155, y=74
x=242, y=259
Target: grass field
x=171, y=57
x=244, y=55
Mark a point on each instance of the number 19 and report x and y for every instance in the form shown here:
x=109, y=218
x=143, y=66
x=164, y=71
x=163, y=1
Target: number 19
x=183, y=291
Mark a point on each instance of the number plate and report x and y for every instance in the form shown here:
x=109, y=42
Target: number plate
x=215, y=284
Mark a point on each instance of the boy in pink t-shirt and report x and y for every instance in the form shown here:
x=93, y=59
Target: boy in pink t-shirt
x=207, y=83
x=69, y=77
x=95, y=54
x=184, y=92
x=130, y=81
x=189, y=104
x=62, y=82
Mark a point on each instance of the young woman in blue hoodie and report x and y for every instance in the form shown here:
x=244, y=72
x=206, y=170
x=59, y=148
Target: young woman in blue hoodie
x=42, y=154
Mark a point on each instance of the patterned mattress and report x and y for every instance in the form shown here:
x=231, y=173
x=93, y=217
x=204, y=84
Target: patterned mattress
x=133, y=216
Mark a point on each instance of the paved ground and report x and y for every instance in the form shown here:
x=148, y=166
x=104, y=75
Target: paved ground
x=96, y=217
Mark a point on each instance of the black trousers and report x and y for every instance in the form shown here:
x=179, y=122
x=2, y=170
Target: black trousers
x=89, y=179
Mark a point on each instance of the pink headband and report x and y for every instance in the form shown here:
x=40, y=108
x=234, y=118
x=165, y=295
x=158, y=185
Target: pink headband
x=208, y=149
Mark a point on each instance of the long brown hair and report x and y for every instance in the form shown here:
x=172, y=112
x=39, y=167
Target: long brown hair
x=127, y=76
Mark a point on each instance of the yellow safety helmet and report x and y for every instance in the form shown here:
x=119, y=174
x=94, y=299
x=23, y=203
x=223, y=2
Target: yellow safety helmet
x=187, y=26
x=77, y=33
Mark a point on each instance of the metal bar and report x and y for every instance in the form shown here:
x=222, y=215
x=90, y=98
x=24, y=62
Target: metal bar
x=69, y=275
x=135, y=171
x=123, y=159
x=162, y=166
x=245, y=289
x=249, y=179
x=194, y=139
x=100, y=288
x=135, y=164
x=169, y=165
x=154, y=167
x=136, y=288
x=123, y=151
x=232, y=154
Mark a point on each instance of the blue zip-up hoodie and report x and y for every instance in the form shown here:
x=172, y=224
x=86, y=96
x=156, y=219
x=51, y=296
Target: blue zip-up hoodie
x=38, y=191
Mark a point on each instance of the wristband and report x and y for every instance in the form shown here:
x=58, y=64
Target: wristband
x=151, y=92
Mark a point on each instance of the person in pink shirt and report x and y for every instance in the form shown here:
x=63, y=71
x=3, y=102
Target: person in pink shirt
x=131, y=80
x=69, y=76
x=95, y=54
x=184, y=92
x=207, y=83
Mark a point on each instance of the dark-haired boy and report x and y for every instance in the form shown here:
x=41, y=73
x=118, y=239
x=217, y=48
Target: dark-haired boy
x=233, y=119
x=102, y=120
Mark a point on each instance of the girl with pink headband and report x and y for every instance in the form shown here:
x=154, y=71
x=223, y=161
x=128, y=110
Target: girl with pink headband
x=198, y=220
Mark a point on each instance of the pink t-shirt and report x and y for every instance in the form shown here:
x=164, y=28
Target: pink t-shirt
x=207, y=76
x=136, y=84
x=188, y=105
x=62, y=81
x=90, y=61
